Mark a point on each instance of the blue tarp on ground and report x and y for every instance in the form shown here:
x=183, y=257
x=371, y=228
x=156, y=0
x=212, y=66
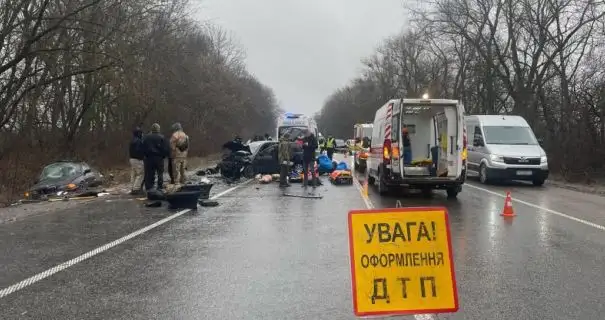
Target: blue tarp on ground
x=342, y=166
x=325, y=164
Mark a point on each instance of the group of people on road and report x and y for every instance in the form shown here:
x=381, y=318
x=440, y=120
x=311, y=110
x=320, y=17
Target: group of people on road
x=148, y=154
x=309, y=144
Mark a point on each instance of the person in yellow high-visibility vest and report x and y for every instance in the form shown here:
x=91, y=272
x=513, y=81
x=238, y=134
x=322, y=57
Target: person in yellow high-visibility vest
x=329, y=146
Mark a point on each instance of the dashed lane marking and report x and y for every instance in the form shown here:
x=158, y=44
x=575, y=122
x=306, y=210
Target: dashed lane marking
x=535, y=206
x=43, y=275
x=370, y=205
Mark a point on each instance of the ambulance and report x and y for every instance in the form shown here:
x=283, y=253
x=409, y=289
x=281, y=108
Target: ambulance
x=295, y=124
x=438, y=143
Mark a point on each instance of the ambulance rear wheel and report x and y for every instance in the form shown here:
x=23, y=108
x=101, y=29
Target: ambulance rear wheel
x=382, y=187
x=452, y=192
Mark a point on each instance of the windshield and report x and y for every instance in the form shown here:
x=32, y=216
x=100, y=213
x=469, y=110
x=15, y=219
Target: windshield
x=254, y=146
x=509, y=135
x=60, y=171
x=294, y=132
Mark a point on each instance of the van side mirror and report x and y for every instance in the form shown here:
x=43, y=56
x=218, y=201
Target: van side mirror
x=540, y=141
x=87, y=171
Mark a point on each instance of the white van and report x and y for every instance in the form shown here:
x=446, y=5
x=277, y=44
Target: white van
x=505, y=148
x=438, y=145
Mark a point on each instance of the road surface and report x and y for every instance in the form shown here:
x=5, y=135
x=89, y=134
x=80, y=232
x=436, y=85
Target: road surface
x=260, y=255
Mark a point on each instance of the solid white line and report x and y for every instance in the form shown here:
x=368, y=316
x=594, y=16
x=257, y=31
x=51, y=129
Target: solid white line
x=529, y=204
x=43, y=275
x=370, y=205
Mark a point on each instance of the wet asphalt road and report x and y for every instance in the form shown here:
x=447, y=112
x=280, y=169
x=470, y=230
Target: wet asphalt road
x=263, y=256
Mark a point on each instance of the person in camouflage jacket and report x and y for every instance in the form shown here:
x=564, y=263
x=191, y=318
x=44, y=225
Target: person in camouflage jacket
x=179, y=147
x=285, y=156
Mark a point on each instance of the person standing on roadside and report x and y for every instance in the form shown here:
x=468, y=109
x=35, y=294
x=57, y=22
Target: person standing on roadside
x=136, y=161
x=309, y=147
x=155, y=149
x=179, y=147
x=329, y=145
x=285, y=156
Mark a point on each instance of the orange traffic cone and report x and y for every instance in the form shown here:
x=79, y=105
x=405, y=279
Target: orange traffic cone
x=508, y=211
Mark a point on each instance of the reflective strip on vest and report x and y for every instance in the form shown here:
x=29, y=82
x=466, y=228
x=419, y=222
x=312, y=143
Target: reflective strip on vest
x=330, y=143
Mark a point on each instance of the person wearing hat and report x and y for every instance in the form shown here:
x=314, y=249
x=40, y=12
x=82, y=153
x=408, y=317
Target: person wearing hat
x=155, y=149
x=285, y=155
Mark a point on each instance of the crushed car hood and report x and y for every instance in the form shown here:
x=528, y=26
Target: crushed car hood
x=51, y=183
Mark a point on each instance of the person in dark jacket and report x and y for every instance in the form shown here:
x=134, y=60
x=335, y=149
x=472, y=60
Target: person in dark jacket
x=309, y=148
x=136, y=161
x=156, y=150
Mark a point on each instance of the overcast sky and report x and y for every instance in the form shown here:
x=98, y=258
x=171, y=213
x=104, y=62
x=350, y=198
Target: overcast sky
x=304, y=50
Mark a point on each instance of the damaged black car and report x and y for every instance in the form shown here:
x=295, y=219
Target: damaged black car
x=64, y=177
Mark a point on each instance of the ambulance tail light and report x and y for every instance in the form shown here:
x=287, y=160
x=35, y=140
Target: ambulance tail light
x=386, y=151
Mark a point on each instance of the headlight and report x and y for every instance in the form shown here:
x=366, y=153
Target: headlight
x=543, y=159
x=496, y=158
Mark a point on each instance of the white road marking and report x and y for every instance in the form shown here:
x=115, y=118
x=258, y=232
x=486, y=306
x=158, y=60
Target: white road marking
x=529, y=204
x=43, y=275
x=370, y=205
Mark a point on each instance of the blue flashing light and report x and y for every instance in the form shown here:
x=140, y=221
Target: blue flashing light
x=290, y=115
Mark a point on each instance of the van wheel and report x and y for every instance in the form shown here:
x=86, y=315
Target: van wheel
x=371, y=180
x=538, y=183
x=483, y=174
x=382, y=188
x=452, y=192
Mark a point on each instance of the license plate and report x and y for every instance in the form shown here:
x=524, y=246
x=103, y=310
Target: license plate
x=524, y=173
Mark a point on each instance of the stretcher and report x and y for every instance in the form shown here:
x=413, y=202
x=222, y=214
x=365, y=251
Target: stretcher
x=341, y=177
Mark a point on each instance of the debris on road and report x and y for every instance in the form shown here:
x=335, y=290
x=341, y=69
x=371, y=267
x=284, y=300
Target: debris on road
x=208, y=203
x=208, y=171
x=153, y=204
x=265, y=179
x=181, y=196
